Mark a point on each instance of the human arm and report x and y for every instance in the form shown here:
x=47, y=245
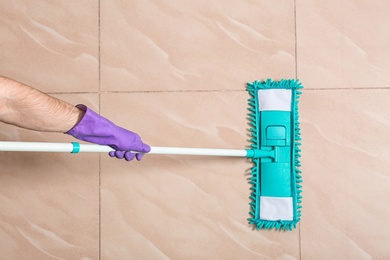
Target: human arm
x=29, y=108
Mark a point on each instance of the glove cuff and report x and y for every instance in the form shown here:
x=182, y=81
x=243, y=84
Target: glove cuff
x=92, y=127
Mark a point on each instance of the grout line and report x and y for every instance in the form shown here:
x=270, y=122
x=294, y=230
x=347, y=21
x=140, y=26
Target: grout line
x=340, y=89
x=100, y=156
x=71, y=93
x=99, y=56
x=175, y=91
x=296, y=77
x=145, y=91
x=195, y=91
x=296, y=39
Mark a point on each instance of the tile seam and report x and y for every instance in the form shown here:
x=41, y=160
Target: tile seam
x=296, y=39
x=201, y=91
x=171, y=91
x=100, y=157
x=341, y=89
x=70, y=93
x=296, y=77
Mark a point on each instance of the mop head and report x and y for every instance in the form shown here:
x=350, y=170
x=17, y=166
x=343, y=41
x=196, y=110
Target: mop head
x=276, y=180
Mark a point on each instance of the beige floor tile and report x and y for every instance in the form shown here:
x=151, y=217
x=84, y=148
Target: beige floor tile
x=197, y=45
x=183, y=207
x=50, y=45
x=346, y=164
x=343, y=44
x=49, y=203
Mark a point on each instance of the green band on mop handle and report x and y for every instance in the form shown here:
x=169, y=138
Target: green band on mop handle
x=76, y=147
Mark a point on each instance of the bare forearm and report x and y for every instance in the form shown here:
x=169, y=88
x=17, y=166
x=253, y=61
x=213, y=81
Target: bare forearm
x=29, y=108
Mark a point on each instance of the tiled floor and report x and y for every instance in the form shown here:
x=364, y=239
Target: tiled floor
x=175, y=72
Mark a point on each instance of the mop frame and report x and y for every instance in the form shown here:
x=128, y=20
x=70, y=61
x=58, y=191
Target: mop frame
x=295, y=172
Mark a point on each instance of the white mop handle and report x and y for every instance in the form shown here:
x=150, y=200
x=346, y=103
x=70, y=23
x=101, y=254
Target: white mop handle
x=198, y=151
x=76, y=148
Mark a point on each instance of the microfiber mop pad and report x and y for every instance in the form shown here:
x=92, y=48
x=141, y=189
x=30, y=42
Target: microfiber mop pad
x=276, y=181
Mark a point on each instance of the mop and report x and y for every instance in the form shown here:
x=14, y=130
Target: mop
x=275, y=136
x=276, y=179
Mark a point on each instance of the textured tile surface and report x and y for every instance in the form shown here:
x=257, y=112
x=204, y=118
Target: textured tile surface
x=176, y=45
x=346, y=164
x=175, y=72
x=343, y=44
x=53, y=45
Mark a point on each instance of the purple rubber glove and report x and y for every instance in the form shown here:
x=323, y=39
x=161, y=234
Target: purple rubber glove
x=96, y=129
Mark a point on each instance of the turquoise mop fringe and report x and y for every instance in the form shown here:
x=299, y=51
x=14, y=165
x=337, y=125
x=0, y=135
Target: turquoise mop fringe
x=255, y=220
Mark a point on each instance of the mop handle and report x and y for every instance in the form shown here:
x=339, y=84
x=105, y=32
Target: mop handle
x=75, y=147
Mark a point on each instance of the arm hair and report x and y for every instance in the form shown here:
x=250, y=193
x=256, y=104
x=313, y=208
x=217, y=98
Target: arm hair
x=29, y=108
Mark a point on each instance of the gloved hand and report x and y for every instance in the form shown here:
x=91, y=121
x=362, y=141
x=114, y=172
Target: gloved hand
x=96, y=129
